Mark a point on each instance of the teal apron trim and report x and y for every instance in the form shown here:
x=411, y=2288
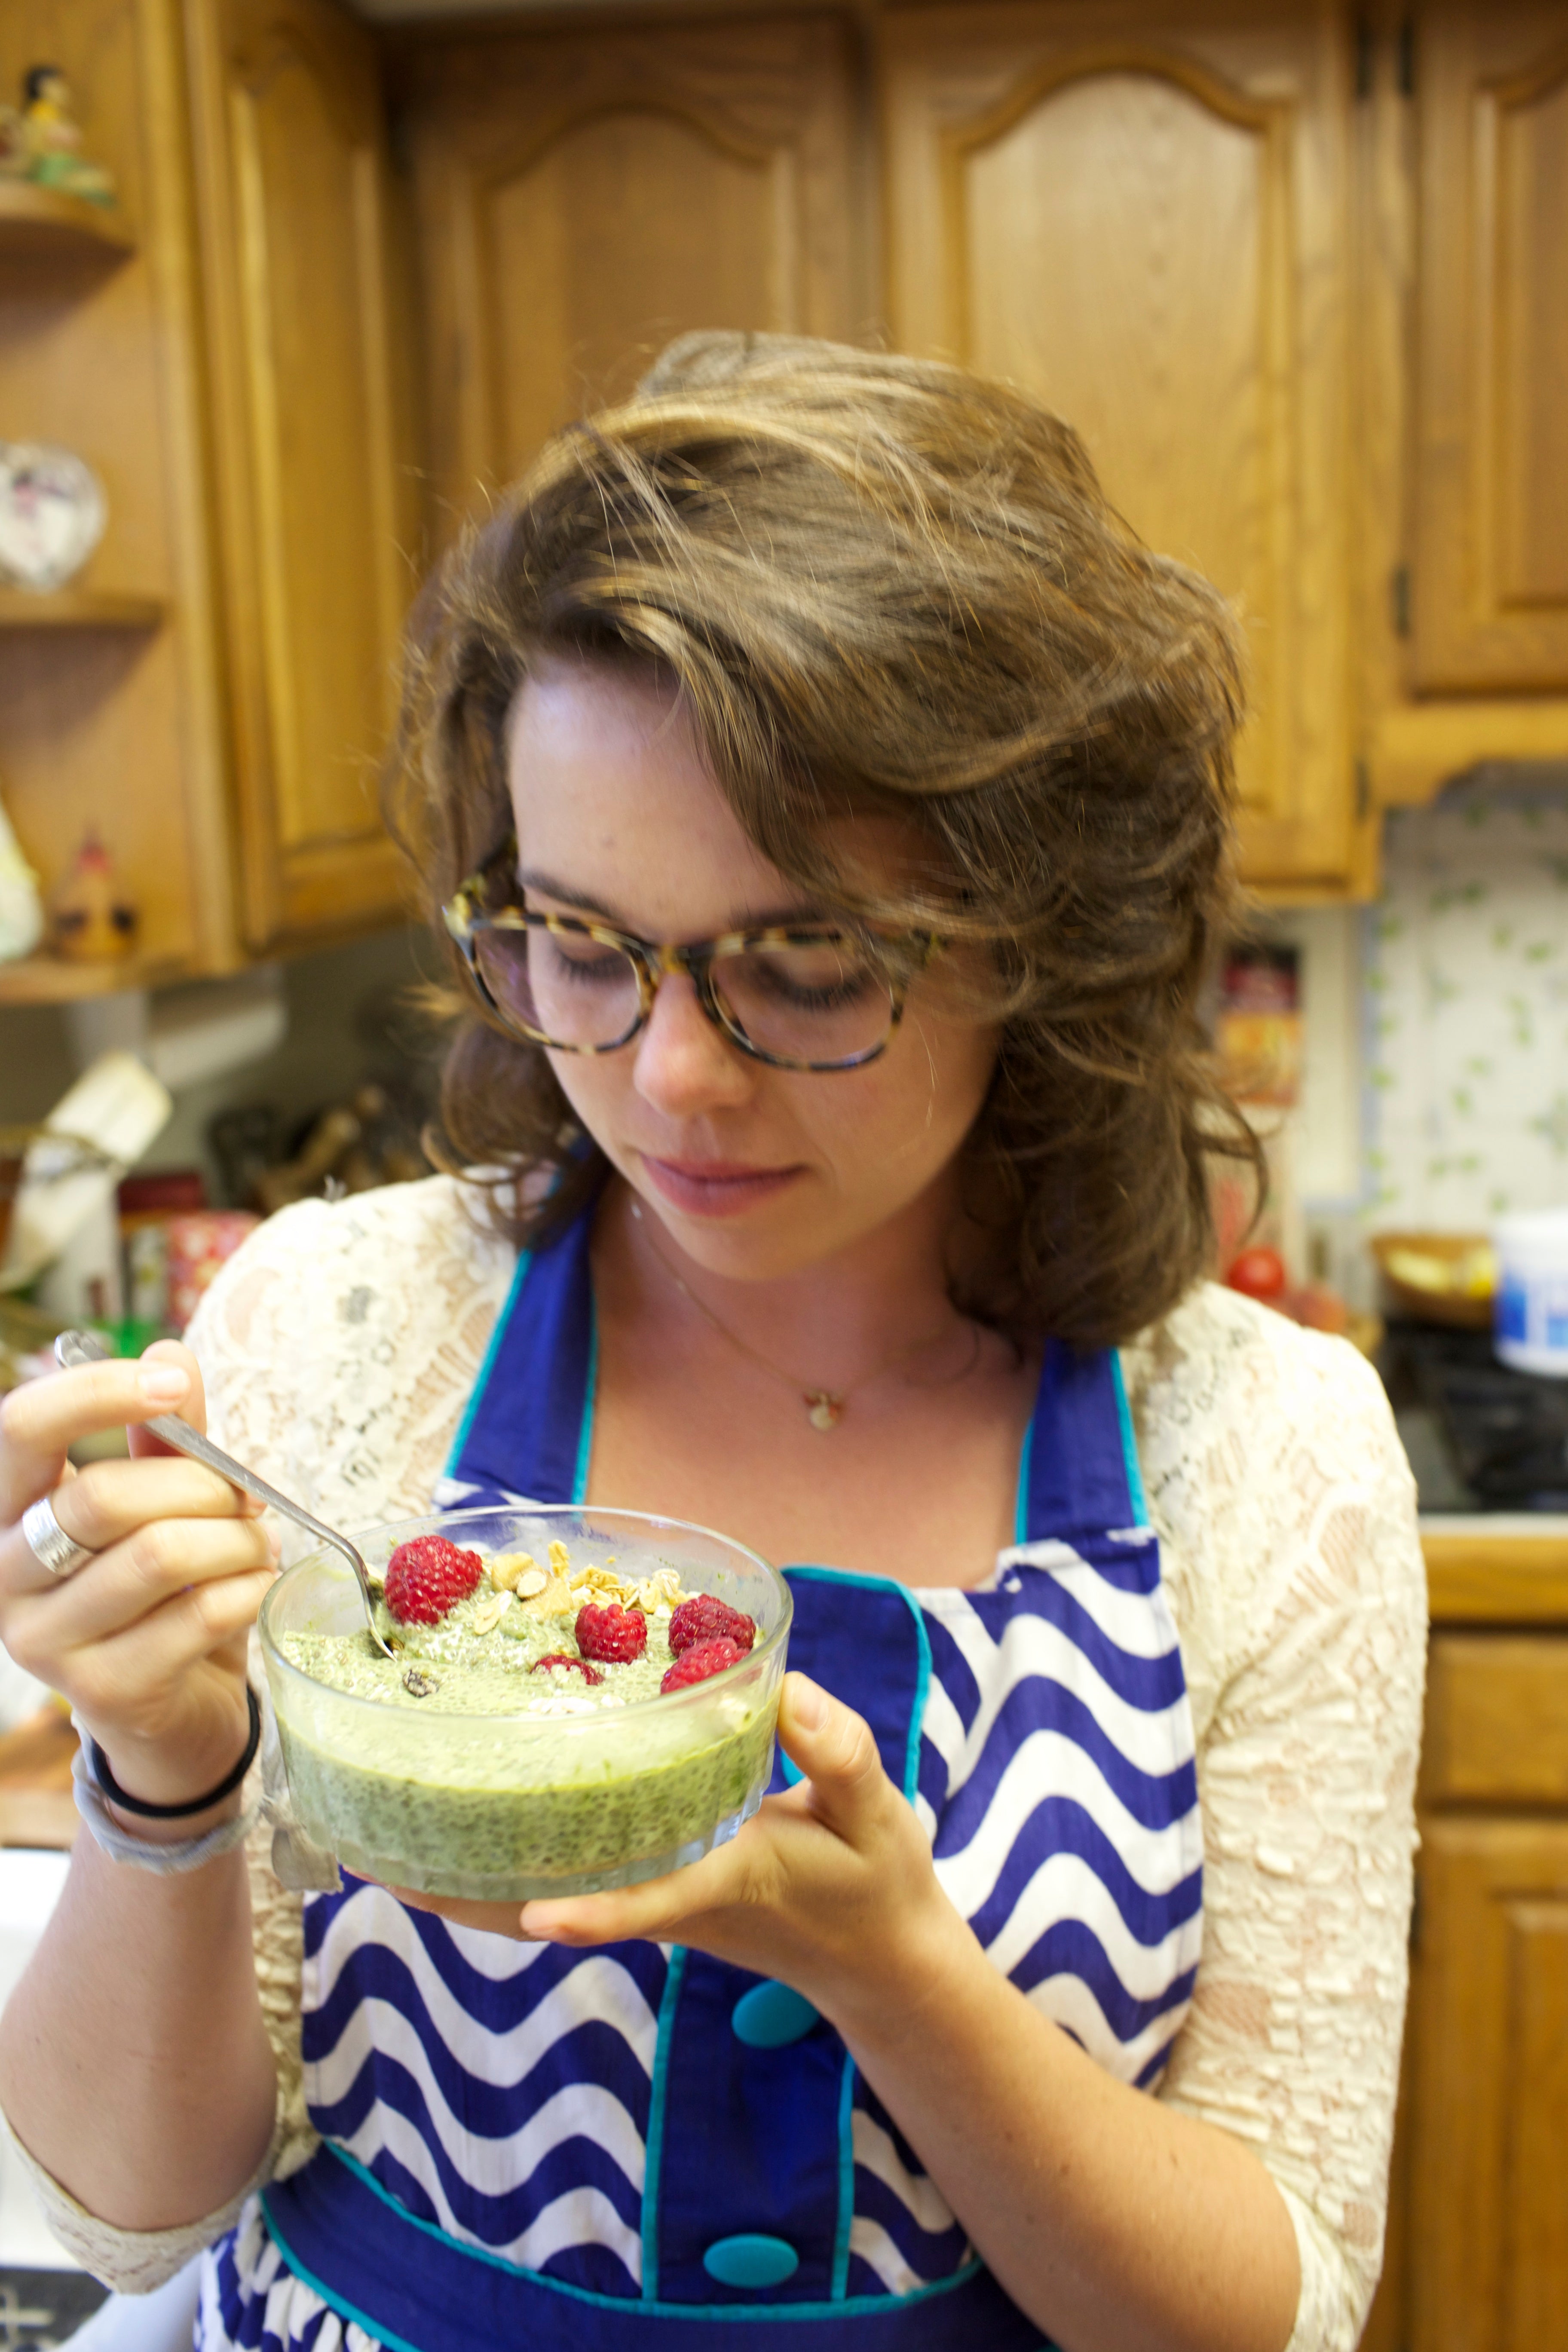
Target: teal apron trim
x=525, y=1259
x=654, y=2159
x=852, y=2306
x=1021, y=1506
x=839, y=2289
x=590, y=1393
x=1129, y=1443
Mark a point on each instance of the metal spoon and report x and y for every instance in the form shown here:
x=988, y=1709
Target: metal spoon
x=75, y=1347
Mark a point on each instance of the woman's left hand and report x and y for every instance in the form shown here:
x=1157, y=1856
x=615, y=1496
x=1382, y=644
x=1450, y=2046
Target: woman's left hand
x=829, y=1887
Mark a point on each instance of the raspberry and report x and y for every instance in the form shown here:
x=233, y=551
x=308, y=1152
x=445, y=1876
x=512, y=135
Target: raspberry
x=425, y=1576
x=560, y=1658
x=703, y=1658
x=613, y=1634
x=706, y=1618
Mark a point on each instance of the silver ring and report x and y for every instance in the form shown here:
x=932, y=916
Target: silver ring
x=49, y=1542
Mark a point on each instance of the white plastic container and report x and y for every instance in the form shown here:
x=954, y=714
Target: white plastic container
x=1530, y=1326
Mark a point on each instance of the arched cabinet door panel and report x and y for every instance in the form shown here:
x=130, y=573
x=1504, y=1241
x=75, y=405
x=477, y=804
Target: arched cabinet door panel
x=311, y=459
x=1488, y=601
x=1139, y=216
x=586, y=195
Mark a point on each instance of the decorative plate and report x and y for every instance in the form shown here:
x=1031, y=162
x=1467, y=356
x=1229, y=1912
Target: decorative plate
x=52, y=514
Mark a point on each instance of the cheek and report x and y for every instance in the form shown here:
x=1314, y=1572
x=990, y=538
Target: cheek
x=911, y=1110
x=595, y=1084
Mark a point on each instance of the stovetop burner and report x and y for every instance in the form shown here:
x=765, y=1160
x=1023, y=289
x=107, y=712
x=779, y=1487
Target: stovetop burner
x=1480, y=1436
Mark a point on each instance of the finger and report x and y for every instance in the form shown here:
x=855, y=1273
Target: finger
x=654, y=1911
x=107, y=1501
x=493, y=1918
x=835, y=1751
x=163, y=1358
x=43, y=1417
x=120, y=1586
x=113, y=1678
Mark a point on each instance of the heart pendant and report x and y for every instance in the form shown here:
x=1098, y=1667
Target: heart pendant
x=823, y=1409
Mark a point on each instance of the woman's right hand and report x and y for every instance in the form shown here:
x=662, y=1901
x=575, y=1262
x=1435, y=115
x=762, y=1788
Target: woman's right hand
x=147, y=1640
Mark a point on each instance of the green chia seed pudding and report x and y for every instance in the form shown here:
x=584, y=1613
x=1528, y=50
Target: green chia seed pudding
x=482, y=1760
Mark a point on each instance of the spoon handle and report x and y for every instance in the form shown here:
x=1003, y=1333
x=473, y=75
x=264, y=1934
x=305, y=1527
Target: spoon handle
x=75, y=1347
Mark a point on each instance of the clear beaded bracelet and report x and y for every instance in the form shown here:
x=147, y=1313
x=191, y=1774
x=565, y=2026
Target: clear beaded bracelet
x=141, y=1854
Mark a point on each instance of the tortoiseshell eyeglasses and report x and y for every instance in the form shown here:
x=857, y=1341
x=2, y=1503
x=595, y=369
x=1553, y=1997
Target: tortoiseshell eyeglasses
x=812, y=998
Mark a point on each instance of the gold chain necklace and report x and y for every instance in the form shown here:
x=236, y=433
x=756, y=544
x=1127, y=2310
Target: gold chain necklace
x=824, y=1408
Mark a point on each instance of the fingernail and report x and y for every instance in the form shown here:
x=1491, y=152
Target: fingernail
x=807, y=1703
x=274, y=1542
x=162, y=1384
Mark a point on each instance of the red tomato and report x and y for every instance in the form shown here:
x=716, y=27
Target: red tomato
x=1259, y=1273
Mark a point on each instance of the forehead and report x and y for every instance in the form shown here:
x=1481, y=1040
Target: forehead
x=614, y=800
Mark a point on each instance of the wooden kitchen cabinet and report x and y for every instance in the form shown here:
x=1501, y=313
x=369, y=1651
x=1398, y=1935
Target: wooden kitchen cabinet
x=1140, y=212
x=1294, y=268
x=586, y=194
x=1489, y=2177
x=1463, y=470
x=1478, y=2251
x=317, y=503
x=111, y=709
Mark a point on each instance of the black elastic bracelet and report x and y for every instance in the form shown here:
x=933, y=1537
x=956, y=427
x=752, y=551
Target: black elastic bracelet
x=226, y=1786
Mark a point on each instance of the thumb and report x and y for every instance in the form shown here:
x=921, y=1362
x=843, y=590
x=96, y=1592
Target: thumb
x=834, y=1749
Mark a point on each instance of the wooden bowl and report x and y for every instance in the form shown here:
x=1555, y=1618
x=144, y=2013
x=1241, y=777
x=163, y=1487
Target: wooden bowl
x=1432, y=1278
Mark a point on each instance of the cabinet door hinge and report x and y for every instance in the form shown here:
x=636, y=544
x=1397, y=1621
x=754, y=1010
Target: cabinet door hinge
x=1362, y=792
x=1406, y=58
x=1399, y=599
x=1364, y=56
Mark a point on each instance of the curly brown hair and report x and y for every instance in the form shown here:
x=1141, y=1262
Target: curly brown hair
x=882, y=584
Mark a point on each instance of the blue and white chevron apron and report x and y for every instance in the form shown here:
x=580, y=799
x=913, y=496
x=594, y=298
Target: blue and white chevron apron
x=549, y=2148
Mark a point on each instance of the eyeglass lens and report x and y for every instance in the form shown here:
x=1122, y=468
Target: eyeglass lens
x=816, y=1003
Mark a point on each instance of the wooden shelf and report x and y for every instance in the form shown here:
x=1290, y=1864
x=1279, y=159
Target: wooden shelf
x=51, y=979
x=42, y=223
x=79, y=608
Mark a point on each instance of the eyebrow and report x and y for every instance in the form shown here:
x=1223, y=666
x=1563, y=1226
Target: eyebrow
x=546, y=886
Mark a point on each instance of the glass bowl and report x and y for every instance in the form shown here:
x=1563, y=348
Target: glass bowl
x=507, y=1807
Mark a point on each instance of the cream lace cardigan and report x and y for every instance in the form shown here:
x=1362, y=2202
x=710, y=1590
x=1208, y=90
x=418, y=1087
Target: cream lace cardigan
x=338, y=1348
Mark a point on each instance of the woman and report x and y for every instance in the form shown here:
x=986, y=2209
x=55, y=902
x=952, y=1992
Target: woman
x=828, y=797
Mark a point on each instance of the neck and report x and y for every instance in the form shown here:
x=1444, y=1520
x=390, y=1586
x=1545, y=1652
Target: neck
x=829, y=1320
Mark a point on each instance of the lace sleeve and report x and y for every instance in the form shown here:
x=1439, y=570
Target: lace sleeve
x=1287, y=1511
x=337, y=1348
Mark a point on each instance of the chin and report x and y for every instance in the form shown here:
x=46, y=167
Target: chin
x=768, y=1244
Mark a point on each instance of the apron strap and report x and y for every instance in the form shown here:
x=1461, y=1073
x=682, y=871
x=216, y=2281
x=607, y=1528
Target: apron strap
x=528, y=1429
x=1079, y=1474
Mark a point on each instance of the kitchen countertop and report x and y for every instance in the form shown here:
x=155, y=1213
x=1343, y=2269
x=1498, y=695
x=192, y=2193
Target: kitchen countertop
x=1496, y=1568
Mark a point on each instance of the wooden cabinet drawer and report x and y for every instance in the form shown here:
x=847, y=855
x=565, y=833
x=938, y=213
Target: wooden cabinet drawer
x=1497, y=1720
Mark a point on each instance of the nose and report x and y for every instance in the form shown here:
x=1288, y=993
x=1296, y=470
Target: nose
x=685, y=1065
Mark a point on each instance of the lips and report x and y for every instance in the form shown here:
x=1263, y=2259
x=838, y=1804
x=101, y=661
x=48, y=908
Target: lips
x=716, y=1188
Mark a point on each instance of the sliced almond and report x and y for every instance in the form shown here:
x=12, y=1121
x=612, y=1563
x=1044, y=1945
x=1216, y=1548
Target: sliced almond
x=509, y=1568
x=531, y=1582
x=488, y=1613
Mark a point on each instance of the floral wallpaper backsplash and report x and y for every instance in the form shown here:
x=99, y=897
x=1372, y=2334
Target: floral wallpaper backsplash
x=1467, y=994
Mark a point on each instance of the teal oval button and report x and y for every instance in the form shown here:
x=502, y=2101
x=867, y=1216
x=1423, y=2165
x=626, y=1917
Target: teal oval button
x=771, y=2016
x=751, y=2262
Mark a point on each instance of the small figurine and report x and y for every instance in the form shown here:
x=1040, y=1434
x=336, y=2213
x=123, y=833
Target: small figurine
x=90, y=920
x=21, y=911
x=52, y=140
